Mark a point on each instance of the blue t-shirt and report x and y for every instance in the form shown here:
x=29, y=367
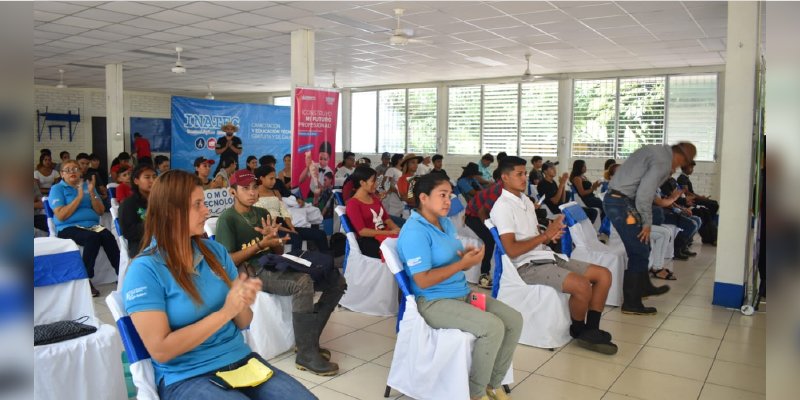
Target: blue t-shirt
x=61, y=194
x=149, y=286
x=422, y=247
x=466, y=184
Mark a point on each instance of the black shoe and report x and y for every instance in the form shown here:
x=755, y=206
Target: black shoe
x=678, y=255
x=688, y=252
x=648, y=289
x=632, y=294
x=594, y=340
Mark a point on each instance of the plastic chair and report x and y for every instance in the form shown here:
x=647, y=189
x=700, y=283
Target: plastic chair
x=371, y=288
x=545, y=312
x=589, y=249
x=141, y=367
x=71, y=369
x=428, y=363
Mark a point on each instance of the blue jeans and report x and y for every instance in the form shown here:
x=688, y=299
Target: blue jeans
x=280, y=386
x=617, y=209
x=688, y=225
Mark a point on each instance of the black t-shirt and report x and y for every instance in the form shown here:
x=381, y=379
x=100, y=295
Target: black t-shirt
x=549, y=189
x=686, y=183
x=281, y=187
x=237, y=143
x=668, y=186
x=131, y=221
x=99, y=180
x=440, y=171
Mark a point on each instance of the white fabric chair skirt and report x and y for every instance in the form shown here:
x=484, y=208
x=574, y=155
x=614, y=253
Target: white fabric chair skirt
x=60, y=301
x=468, y=238
x=271, y=331
x=142, y=372
x=371, y=288
x=545, y=311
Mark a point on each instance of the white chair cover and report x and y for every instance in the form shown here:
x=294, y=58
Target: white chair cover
x=591, y=250
x=88, y=367
x=271, y=331
x=545, y=312
x=468, y=238
x=211, y=227
x=371, y=288
x=144, y=377
x=124, y=260
x=428, y=363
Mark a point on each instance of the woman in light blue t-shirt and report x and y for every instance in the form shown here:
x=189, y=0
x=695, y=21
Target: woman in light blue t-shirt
x=436, y=260
x=188, y=302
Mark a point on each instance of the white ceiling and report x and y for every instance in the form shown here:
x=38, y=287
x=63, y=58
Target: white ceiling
x=243, y=46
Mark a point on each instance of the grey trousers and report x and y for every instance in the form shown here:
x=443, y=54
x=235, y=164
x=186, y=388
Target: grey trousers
x=497, y=331
x=291, y=283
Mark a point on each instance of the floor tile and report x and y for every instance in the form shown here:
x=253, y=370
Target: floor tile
x=649, y=385
x=650, y=321
x=366, y=382
x=697, y=301
x=743, y=334
x=628, y=332
x=333, y=330
x=346, y=363
x=625, y=352
x=527, y=358
x=519, y=377
x=744, y=353
x=718, y=315
x=324, y=393
x=672, y=362
x=385, y=360
x=695, y=327
x=364, y=345
x=581, y=370
x=386, y=328
x=685, y=343
x=716, y=392
x=615, y=396
x=757, y=320
x=739, y=376
x=542, y=387
x=354, y=319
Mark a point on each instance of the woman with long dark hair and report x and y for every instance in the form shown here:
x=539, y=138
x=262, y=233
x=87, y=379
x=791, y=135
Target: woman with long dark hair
x=370, y=220
x=188, y=302
x=584, y=187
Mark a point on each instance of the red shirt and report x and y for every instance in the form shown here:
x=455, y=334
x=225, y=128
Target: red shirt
x=348, y=191
x=402, y=188
x=485, y=198
x=142, y=147
x=370, y=216
x=123, y=192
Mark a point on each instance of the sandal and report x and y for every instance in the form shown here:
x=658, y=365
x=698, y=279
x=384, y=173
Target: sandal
x=669, y=277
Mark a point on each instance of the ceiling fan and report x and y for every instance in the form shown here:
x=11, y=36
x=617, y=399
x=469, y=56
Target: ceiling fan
x=402, y=36
x=179, y=68
x=527, y=76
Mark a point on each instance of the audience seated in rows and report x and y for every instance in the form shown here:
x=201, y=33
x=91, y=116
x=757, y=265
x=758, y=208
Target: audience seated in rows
x=161, y=164
x=45, y=174
x=227, y=166
x=701, y=206
x=405, y=185
x=536, y=171
x=202, y=168
x=285, y=175
x=437, y=160
x=188, y=302
x=435, y=260
x=485, y=178
x=468, y=183
x=387, y=185
x=132, y=210
x=584, y=187
x=556, y=193
x=369, y=219
x=476, y=212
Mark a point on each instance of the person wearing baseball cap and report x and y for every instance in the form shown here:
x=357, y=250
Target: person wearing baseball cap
x=385, y=158
x=248, y=232
x=202, y=168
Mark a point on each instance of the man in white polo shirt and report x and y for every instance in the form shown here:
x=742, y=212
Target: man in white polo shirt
x=514, y=216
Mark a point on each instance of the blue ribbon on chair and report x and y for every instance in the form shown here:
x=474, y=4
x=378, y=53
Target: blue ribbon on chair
x=347, y=229
x=455, y=207
x=52, y=269
x=403, y=282
x=499, y=252
x=605, y=226
x=134, y=347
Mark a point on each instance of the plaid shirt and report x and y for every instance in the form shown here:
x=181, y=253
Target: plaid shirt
x=485, y=198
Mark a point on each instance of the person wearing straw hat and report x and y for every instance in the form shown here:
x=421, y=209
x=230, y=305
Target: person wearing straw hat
x=228, y=146
x=405, y=185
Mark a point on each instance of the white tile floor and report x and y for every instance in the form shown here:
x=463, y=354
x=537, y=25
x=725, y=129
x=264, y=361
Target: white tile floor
x=689, y=350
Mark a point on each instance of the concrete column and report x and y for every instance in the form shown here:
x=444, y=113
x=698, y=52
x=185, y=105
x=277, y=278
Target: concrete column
x=115, y=133
x=302, y=57
x=564, y=123
x=737, y=153
x=346, y=123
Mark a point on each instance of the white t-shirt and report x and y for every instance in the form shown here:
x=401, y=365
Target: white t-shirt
x=391, y=177
x=342, y=173
x=423, y=169
x=517, y=215
x=45, y=182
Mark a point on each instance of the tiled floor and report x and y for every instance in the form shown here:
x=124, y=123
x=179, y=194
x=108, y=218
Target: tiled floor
x=689, y=350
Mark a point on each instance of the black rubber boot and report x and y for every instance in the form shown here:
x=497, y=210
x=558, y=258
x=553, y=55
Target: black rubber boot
x=306, y=336
x=648, y=289
x=632, y=295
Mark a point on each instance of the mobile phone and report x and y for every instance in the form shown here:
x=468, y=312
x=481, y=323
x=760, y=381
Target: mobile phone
x=478, y=300
x=219, y=382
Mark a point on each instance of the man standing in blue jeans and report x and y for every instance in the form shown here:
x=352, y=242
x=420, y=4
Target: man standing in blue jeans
x=628, y=205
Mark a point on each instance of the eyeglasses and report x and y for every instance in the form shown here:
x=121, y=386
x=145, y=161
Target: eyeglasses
x=71, y=170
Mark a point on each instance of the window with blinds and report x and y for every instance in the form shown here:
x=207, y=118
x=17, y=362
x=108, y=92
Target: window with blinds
x=464, y=120
x=392, y=121
x=641, y=114
x=539, y=119
x=594, y=119
x=693, y=112
x=363, y=122
x=422, y=120
x=500, y=118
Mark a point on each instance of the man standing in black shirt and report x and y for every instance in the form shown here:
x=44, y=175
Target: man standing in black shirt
x=228, y=146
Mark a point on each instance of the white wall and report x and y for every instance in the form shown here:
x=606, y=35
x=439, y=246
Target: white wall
x=92, y=103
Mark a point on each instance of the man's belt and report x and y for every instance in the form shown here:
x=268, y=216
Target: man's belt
x=617, y=193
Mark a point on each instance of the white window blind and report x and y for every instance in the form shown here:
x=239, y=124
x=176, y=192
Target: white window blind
x=539, y=119
x=500, y=118
x=422, y=120
x=641, y=114
x=594, y=118
x=363, y=122
x=693, y=112
x=392, y=120
x=464, y=120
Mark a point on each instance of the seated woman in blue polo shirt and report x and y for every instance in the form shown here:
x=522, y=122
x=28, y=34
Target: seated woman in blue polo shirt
x=436, y=260
x=188, y=301
x=77, y=208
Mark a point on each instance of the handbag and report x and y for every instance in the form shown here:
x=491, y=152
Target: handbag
x=61, y=330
